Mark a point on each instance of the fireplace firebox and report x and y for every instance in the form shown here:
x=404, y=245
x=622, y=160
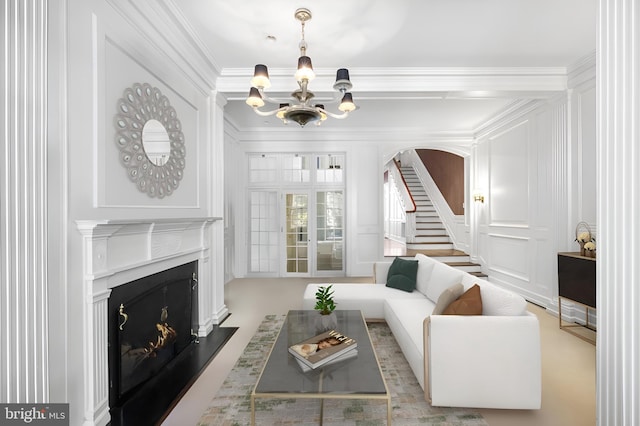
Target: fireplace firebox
x=151, y=323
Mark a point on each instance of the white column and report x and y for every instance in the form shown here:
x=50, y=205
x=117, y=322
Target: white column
x=618, y=273
x=219, y=309
x=24, y=369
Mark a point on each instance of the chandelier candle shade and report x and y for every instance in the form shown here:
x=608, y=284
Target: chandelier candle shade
x=302, y=111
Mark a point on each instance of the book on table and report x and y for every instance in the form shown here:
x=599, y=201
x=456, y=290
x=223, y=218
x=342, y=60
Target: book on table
x=319, y=350
x=337, y=362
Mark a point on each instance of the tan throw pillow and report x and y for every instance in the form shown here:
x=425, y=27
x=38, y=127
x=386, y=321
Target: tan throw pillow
x=470, y=303
x=447, y=297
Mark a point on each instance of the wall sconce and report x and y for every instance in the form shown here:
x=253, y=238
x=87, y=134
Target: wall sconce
x=478, y=197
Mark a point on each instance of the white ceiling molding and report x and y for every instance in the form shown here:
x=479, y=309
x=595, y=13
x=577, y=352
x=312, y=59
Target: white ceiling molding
x=582, y=71
x=394, y=83
x=320, y=135
x=516, y=110
x=163, y=26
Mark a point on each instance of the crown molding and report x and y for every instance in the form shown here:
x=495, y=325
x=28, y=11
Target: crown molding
x=369, y=135
x=163, y=26
x=512, y=112
x=385, y=82
x=582, y=71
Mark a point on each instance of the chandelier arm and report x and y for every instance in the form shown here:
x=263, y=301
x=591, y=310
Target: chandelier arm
x=271, y=100
x=266, y=113
x=334, y=115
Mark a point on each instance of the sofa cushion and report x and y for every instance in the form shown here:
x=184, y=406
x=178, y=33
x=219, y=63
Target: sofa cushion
x=405, y=319
x=470, y=303
x=447, y=297
x=402, y=274
x=425, y=268
x=496, y=300
x=442, y=277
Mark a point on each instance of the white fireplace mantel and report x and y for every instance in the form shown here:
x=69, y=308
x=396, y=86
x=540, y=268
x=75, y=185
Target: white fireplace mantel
x=117, y=251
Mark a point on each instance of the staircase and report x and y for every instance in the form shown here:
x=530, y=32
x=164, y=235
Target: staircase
x=432, y=238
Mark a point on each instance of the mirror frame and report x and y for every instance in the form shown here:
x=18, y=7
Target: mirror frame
x=139, y=104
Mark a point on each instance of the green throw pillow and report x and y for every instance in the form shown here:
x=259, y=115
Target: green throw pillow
x=402, y=274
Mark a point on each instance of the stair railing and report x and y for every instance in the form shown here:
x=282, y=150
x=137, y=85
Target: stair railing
x=407, y=200
x=455, y=225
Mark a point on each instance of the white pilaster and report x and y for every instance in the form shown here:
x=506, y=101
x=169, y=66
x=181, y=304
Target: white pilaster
x=24, y=368
x=618, y=274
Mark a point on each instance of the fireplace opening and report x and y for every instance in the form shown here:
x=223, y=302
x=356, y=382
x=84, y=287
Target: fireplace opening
x=151, y=323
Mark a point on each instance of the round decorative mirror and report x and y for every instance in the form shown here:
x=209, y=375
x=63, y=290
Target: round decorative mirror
x=155, y=141
x=149, y=137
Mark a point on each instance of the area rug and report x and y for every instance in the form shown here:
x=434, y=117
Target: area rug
x=231, y=406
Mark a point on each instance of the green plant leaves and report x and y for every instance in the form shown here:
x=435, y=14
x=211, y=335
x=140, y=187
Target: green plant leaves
x=324, y=300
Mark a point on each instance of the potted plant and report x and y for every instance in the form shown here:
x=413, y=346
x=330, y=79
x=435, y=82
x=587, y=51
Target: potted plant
x=325, y=306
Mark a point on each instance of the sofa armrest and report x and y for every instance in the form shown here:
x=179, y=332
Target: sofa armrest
x=483, y=361
x=380, y=272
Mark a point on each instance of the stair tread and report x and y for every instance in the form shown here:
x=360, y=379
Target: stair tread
x=438, y=253
x=454, y=264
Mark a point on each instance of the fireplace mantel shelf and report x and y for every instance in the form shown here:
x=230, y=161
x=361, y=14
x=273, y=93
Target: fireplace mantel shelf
x=91, y=223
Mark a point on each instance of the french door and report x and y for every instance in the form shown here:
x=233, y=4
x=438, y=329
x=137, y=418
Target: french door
x=296, y=214
x=313, y=231
x=296, y=233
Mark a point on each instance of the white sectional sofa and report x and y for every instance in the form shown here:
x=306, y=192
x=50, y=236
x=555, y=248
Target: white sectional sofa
x=484, y=361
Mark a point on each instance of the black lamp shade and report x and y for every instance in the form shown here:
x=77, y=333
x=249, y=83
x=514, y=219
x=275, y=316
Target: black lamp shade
x=261, y=70
x=304, y=62
x=254, y=93
x=342, y=74
x=347, y=104
x=254, y=99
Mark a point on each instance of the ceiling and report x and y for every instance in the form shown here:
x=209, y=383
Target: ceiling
x=414, y=63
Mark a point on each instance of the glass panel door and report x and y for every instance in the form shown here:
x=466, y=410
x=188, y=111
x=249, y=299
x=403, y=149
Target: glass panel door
x=297, y=233
x=264, y=226
x=329, y=231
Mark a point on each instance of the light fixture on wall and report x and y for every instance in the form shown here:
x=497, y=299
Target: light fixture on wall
x=302, y=112
x=478, y=197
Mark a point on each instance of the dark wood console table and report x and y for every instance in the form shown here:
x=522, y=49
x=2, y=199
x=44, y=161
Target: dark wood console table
x=577, y=283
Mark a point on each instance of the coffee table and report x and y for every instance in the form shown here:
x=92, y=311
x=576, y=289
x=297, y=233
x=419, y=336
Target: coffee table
x=359, y=377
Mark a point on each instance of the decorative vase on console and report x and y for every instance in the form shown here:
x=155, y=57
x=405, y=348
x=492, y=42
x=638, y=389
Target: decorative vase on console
x=583, y=236
x=590, y=249
x=326, y=319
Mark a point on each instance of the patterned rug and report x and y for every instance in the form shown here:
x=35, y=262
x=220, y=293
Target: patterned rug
x=231, y=405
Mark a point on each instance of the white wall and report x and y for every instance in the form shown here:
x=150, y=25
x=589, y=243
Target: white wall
x=97, y=49
x=537, y=171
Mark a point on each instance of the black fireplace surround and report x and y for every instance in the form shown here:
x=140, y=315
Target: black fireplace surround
x=152, y=321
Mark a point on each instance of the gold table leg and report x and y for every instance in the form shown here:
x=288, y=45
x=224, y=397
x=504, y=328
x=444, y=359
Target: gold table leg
x=253, y=410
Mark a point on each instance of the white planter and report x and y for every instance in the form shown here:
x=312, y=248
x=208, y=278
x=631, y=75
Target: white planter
x=326, y=322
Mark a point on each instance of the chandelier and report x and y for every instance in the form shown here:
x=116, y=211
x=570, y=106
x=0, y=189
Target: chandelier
x=302, y=111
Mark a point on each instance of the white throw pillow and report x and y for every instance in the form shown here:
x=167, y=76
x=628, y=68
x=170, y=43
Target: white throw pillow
x=425, y=268
x=447, y=297
x=442, y=277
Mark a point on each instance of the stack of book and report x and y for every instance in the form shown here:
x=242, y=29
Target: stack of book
x=326, y=348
